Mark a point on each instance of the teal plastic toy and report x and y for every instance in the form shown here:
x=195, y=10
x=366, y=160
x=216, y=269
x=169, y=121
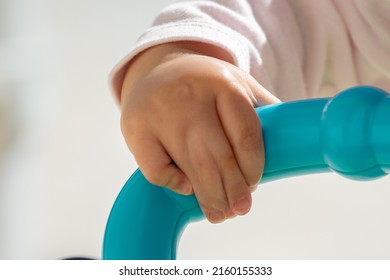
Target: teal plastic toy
x=349, y=134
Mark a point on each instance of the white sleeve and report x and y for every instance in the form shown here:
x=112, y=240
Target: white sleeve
x=296, y=49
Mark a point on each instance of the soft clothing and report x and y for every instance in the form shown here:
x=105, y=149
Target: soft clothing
x=295, y=48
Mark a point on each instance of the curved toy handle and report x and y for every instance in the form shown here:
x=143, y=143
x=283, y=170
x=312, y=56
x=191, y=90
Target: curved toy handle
x=349, y=134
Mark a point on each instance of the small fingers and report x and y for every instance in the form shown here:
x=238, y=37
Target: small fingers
x=158, y=167
x=237, y=190
x=199, y=163
x=260, y=96
x=208, y=187
x=242, y=127
x=216, y=176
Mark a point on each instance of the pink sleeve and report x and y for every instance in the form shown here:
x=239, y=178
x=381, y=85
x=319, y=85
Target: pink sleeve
x=231, y=25
x=296, y=49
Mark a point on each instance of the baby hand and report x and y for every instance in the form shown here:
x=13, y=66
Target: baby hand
x=189, y=121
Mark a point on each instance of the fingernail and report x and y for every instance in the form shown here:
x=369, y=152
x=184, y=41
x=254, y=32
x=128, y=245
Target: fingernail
x=242, y=206
x=215, y=217
x=185, y=188
x=229, y=214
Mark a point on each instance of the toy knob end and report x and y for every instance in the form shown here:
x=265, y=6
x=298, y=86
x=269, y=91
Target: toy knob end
x=346, y=132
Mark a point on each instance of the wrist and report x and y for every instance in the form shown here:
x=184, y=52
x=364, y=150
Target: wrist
x=144, y=62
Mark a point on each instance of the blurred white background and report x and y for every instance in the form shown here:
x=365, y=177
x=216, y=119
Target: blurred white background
x=63, y=160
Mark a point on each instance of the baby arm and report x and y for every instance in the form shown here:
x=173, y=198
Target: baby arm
x=188, y=118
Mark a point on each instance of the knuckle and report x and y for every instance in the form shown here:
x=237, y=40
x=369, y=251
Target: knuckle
x=234, y=90
x=235, y=86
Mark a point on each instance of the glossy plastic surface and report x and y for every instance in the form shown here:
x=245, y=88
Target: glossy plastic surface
x=349, y=134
